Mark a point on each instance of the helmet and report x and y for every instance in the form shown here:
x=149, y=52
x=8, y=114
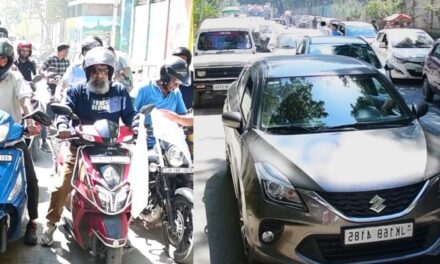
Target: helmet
x=89, y=43
x=96, y=56
x=175, y=67
x=182, y=51
x=22, y=45
x=6, y=49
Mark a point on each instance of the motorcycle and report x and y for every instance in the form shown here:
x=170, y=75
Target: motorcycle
x=100, y=201
x=170, y=198
x=13, y=197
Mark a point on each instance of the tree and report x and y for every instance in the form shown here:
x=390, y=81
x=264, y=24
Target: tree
x=379, y=9
x=351, y=9
x=204, y=9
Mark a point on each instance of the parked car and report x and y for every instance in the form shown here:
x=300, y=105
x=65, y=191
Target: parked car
x=329, y=164
x=406, y=49
x=431, y=73
x=357, y=29
x=354, y=47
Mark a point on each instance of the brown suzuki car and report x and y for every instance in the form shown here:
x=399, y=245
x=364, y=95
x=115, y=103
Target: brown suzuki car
x=329, y=164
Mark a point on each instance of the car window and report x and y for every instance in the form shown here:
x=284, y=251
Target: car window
x=379, y=37
x=302, y=47
x=326, y=101
x=287, y=41
x=246, y=101
x=436, y=51
x=359, y=51
x=224, y=40
x=242, y=81
x=365, y=31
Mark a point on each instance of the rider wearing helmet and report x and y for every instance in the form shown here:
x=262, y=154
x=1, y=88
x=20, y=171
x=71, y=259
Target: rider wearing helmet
x=16, y=95
x=163, y=93
x=97, y=98
x=75, y=73
x=25, y=65
x=187, y=90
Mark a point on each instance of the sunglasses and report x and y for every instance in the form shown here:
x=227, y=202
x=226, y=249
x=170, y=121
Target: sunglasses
x=99, y=70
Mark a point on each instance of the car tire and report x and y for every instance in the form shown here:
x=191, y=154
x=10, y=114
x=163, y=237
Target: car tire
x=428, y=95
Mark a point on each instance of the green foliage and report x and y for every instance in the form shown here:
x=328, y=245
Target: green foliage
x=351, y=9
x=204, y=9
x=56, y=10
x=382, y=8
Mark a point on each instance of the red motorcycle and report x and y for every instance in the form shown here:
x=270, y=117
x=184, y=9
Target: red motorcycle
x=100, y=202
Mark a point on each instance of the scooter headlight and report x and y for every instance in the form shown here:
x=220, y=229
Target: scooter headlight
x=110, y=175
x=4, y=129
x=121, y=198
x=113, y=202
x=17, y=187
x=175, y=157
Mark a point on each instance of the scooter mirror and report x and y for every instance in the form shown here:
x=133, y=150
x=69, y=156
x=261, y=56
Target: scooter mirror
x=61, y=109
x=40, y=116
x=146, y=109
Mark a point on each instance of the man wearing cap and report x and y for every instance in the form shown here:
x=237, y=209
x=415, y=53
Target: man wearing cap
x=59, y=60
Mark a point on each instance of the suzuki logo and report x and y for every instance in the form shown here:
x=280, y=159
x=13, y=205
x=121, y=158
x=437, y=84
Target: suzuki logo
x=377, y=204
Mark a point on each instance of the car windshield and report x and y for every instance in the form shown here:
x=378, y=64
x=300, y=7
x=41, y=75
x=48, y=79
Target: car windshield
x=287, y=41
x=330, y=102
x=359, y=51
x=224, y=40
x=360, y=31
x=415, y=39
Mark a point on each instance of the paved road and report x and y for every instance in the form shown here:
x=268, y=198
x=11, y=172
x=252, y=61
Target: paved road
x=147, y=246
x=217, y=229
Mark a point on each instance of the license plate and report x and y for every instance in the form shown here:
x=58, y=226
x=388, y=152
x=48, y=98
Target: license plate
x=362, y=235
x=110, y=159
x=5, y=157
x=177, y=170
x=224, y=86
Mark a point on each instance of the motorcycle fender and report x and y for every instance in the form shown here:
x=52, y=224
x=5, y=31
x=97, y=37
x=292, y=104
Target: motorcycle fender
x=185, y=192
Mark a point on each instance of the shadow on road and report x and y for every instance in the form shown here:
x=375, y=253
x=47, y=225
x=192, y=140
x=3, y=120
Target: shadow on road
x=223, y=220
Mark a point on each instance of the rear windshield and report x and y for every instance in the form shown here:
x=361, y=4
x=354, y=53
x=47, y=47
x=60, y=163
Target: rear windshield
x=224, y=40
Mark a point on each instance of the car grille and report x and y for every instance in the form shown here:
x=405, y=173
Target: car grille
x=214, y=73
x=415, y=74
x=330, y=248
x=357, y=204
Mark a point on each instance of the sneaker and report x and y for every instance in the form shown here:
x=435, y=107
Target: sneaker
x=45, y=147
x=47, y=237
x=30, y=237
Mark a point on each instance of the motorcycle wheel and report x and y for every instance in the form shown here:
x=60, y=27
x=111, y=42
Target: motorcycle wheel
x=180, y=240
x=108, y=255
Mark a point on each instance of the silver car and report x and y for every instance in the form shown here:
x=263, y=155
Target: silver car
x=406, y=49
x=329, y=164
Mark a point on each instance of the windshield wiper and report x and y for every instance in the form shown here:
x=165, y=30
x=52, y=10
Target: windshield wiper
x=293, y=129
x=287, y=47
x=367, y=125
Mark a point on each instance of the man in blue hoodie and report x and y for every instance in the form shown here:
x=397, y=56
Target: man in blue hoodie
x=98, y=98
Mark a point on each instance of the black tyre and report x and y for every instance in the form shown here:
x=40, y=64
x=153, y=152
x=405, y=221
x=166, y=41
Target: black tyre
x=428, y=95
x=108, y=255
x=179, y=242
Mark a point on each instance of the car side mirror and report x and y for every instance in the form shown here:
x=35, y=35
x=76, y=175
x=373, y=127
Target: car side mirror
x=420, y=109
x=232, y=119
x=382, y=45
x=389, y=66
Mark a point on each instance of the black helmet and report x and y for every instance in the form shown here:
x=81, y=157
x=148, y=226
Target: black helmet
x=96, y=56
x=175, y=67
x=89, y=43
x=182, y=51
x=7, y=50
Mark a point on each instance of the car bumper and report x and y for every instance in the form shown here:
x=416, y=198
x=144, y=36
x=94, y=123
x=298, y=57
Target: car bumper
x=316, y=236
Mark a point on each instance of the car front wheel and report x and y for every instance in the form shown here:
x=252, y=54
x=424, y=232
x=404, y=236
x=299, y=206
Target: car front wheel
x=428, y=95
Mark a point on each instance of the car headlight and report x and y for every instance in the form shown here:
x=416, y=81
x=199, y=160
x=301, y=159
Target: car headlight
x=277, y=188
x=400, y=60
x=4, y=129
x=201, y=74
x=111, y=177
x=17, y=187
x=174, y=156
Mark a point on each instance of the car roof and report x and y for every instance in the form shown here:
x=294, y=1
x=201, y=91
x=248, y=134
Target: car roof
x=356, y=23
x=225, y=23
x=336, y=40
x=300, y=65
x=402, y=30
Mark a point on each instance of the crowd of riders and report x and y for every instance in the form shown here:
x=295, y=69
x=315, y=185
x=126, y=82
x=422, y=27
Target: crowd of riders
x=90, y=86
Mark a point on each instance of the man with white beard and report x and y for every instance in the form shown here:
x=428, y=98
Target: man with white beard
x=98, y=98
